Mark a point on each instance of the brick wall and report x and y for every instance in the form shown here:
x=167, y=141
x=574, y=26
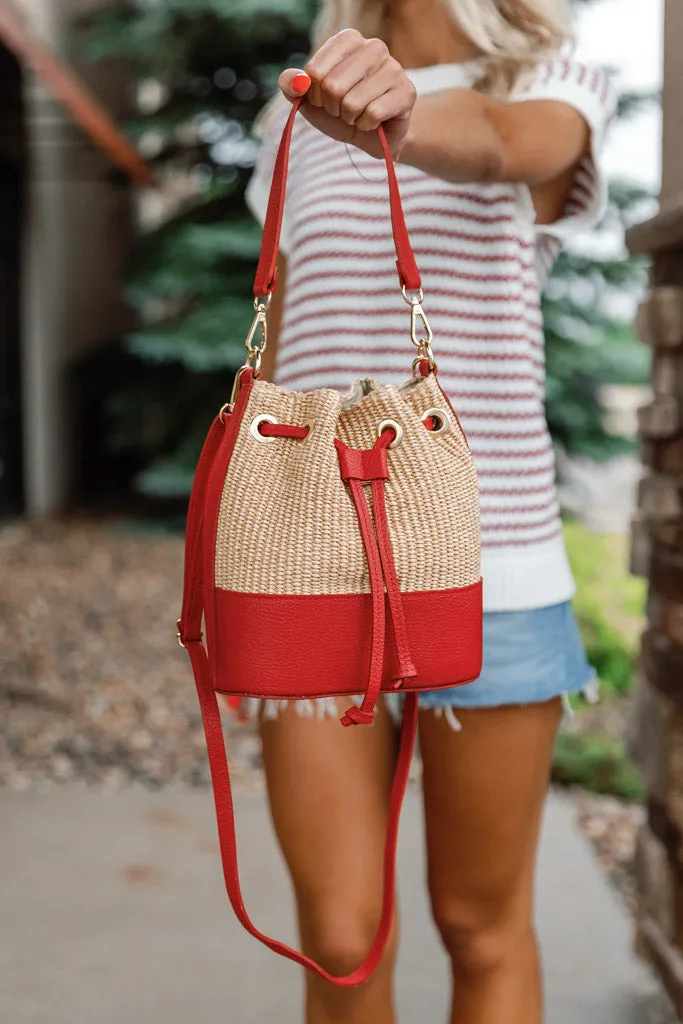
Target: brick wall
x=657, y=554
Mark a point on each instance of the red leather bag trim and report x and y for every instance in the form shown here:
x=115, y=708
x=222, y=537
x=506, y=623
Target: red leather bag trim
x=284, y=430
x=449, y=404
x=319, y=645
x=362, y=465
x=212, y=503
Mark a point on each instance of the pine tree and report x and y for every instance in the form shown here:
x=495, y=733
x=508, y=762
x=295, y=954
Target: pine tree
x=589, y=336
x=205, y=69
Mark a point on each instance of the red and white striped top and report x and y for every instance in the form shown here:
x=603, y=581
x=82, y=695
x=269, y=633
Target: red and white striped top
x=483, y=263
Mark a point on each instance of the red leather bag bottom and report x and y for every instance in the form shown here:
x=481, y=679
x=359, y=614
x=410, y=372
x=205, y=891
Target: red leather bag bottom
x=283, y=646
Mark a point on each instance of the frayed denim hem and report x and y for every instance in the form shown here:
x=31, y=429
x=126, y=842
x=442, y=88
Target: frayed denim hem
x=434, y=700
x=327, y=707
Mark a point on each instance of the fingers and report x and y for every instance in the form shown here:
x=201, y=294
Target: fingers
x=352, y=85
x=294, y=83
x=336, y=50
x=361, y=100
x=335, y=72
x=385, y=108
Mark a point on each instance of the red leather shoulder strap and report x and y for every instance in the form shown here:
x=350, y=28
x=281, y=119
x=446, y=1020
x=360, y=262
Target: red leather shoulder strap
x=189, y=633
x=265, y=280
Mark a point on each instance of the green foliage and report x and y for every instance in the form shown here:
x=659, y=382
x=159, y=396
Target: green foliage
x=609, y=654
x=610, y=608
x=590, y=342
x=192, y=340
x=631, y=103
x=211, y=65
x=596, y=762
x=609, y=605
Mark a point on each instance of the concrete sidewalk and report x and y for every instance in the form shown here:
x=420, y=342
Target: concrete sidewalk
x=112, y=910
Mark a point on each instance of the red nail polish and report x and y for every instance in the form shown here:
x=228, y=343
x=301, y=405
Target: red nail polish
x=301, y=84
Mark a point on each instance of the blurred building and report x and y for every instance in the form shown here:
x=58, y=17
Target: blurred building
x=658, y=550
x=64, y=233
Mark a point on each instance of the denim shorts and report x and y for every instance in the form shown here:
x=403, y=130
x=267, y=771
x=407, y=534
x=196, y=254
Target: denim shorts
x=529, y=657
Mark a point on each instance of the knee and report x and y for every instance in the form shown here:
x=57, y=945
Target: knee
x=339, y=951
x=478, y=942
x=341, y=941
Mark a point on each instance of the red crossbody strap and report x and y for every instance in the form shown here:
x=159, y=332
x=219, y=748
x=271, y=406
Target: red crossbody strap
x=189, y=627
x=265, y=280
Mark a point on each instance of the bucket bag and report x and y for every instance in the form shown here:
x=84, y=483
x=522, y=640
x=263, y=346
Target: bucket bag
x=332, y=549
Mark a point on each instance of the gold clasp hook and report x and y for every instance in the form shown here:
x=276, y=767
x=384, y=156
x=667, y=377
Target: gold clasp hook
x=419, y=325
x=259, y=325
x=417, y=319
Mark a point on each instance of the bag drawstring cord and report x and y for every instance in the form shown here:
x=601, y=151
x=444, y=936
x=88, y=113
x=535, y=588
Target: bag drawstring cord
x=371, y=466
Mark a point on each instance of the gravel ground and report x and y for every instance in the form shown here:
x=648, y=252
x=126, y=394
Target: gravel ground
x=95, y=691
x=612, y=826
x=93, y=686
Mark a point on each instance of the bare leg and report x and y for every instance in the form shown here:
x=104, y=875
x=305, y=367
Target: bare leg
x=484, y=790
x=329, y=793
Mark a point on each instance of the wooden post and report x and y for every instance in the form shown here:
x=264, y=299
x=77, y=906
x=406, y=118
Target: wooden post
x=77, y=236
x=672, y=135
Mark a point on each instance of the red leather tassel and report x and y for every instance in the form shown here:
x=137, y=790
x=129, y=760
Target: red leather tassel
x=356, y=716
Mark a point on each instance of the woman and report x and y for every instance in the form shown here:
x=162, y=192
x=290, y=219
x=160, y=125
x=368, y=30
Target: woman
x=495, y=137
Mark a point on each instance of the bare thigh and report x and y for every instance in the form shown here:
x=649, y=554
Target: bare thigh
x=329, y=790
x=484, y=790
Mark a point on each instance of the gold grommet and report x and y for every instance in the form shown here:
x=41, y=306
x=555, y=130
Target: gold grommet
x=309, y=424
x=397, y=429
x=256, y=433
x=442, y=417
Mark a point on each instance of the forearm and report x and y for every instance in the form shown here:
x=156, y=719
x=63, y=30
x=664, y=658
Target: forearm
x=353, y=85
x=464, y=136
x=453, y=136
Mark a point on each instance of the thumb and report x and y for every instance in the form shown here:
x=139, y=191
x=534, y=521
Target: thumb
x=294, y=83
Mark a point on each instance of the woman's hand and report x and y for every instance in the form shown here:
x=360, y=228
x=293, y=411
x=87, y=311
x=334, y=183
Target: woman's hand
x=352, y=85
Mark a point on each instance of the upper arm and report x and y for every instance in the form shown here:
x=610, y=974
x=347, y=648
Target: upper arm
x=552, y=131
x=541, y=140
x=545, y=130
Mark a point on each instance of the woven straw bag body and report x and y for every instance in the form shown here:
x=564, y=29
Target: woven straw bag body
x=333, y=549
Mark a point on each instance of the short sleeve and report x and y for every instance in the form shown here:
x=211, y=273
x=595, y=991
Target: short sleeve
x=258, y=189
x=590, y=91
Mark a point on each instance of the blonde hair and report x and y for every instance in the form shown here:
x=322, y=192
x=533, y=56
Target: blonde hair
x=511, y=36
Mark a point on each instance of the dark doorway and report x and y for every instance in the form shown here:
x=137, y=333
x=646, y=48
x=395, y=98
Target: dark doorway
x=12, y=178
